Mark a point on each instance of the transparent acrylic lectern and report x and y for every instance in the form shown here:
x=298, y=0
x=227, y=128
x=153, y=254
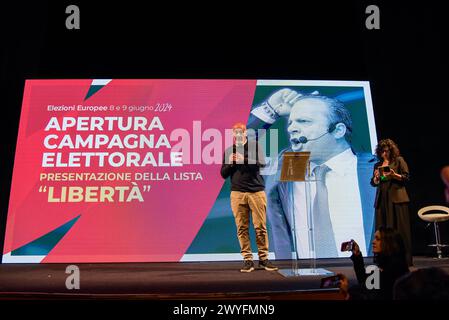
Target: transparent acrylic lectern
x=296, y=168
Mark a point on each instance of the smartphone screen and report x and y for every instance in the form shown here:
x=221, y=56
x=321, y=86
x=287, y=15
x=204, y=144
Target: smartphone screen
x=330, y=282
x=346, y=246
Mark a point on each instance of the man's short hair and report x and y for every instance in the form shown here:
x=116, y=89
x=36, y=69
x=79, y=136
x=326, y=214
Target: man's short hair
x=239, y=125
x=338, y=113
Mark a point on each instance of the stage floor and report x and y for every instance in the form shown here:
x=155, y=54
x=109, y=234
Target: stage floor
x=186, y=280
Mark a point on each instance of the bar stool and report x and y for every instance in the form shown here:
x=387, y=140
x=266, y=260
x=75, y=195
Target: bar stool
x=441, y=213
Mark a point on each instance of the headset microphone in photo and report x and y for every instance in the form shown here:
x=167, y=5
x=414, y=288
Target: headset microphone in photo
x=304, y=139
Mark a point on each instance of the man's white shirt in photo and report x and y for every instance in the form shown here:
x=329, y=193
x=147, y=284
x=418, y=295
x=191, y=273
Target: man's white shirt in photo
x=345, y=206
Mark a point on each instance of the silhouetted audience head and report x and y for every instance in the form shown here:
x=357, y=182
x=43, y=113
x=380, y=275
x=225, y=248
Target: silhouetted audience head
x=445, y=178
x=423, y=284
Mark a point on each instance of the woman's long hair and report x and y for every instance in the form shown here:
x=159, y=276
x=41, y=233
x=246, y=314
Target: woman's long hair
x=393, y=253
x=390, y=145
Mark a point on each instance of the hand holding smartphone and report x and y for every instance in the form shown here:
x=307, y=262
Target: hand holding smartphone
x=330, y=282
x=347, y=246
x=384, y=169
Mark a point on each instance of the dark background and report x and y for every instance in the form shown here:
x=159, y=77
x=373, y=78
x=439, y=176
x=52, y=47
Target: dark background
x=406, y=62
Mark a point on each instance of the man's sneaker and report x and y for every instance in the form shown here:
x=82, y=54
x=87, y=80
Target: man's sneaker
x=267, y=265
x=248, y=266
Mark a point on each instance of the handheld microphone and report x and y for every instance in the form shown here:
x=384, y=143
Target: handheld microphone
x=239, y=140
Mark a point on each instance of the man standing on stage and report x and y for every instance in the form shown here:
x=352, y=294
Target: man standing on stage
x=242, y=162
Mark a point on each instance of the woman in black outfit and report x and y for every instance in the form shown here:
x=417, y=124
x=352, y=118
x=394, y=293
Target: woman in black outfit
x=389, y=257
x=390, y=177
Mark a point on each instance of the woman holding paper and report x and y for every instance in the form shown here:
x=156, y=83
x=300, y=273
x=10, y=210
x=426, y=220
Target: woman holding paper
x=390, y=176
